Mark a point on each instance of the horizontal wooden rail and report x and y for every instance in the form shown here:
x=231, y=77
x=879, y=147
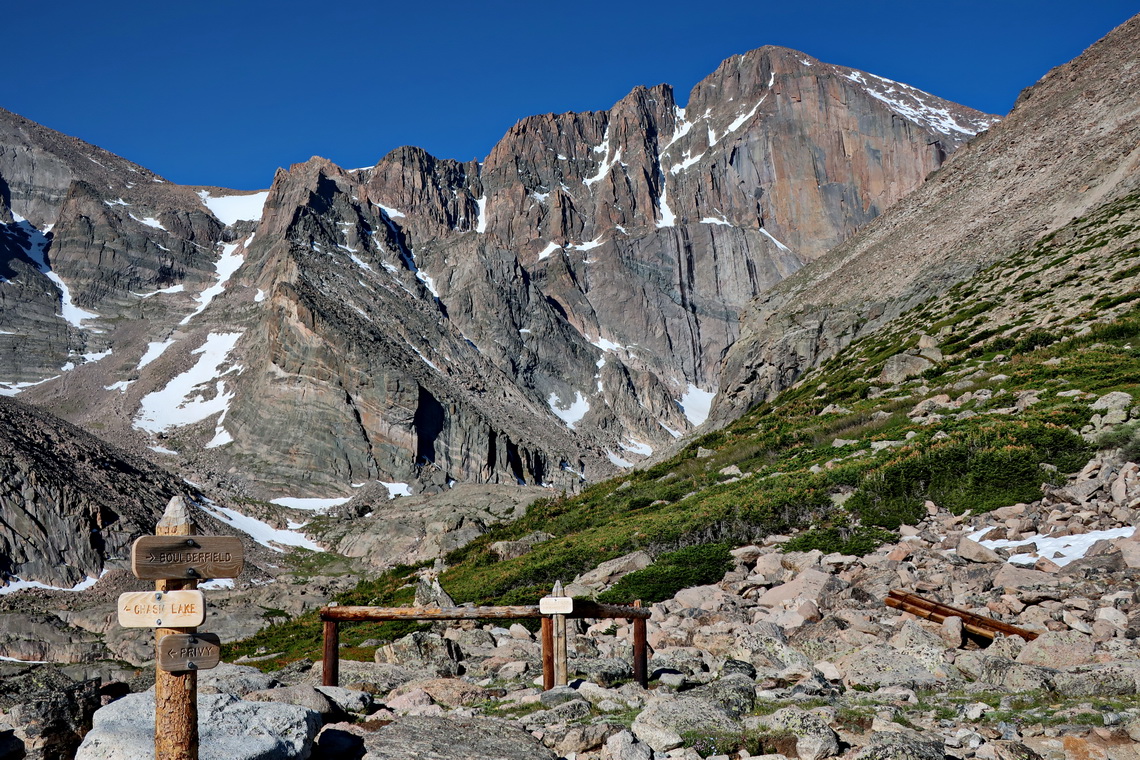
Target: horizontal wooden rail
x=349, y=613
x=553, y=643
x=937, y=612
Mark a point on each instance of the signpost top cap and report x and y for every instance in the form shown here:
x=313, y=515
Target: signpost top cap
x=177, y=513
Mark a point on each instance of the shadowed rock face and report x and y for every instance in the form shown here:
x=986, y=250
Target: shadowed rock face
x=546, y=316
x=67, y=499
x=1069, y=147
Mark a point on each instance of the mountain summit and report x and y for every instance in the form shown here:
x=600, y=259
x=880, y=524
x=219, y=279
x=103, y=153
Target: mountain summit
x=547, y=316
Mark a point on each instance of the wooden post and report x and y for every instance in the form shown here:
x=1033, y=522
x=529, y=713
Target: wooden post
x=547, y=654
x=640, y=654
x=561, y=675
x=330, y=664
x=175, y=694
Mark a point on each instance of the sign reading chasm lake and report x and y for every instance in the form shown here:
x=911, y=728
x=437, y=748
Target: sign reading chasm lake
x=187, y=557
x=162, y=609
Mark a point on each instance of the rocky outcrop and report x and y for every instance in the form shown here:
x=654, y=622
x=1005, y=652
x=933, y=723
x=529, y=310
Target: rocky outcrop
x=1067, y=149
x=547, y=316
x=69, y=500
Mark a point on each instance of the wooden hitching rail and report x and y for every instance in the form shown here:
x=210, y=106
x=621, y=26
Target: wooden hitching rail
x=937, y=612
x=333, y=616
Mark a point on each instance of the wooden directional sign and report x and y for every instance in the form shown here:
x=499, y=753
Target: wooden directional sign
x=182, y=652
x=556, y=605
x=162, y=609
x=187, y=557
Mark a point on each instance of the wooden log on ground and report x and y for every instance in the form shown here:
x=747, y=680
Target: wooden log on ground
x=938, y=612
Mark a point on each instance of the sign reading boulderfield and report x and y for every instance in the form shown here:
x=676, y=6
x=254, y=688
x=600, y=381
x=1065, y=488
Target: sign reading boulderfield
x=162, y=609
x=187, y=557
x=182, y=652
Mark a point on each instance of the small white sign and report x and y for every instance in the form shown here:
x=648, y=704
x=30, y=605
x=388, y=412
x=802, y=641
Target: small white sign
x=556, y=605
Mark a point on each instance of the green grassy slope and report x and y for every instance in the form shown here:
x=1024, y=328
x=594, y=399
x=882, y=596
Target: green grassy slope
x=1056, y=317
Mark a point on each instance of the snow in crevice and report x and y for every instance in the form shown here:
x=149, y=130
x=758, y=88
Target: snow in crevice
x=182, y=401
x=397, y=489
x=696, y=404
x=637, y=447
x=228, y=263
x=618, y=461
x=154, y=350
x=149, y=221
x=12, y=389
x=685, y=163
x=1060, y=549
x=309, y=504
x=589, y=245
x=772, y=237
x=95, y=356
x=172, y=289
x=426, y=360
x=390, y=212
x=540, y=197
x=15, y=584
x=669, y=430
x=739, y=121
x=607, y=162
x=716, y=220
x=683, y=127
x=481, y=204
x=668, y=218
x=36, y=249
x=572, y=413
x=261, y=532
x=917, y=106
x=548, y=250
x=230, y=209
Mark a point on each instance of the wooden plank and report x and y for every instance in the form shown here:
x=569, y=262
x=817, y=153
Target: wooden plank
x=561, y=662
x=586, y=609
x=197, y=557
x=180, y=652
x=352, y=613
x=158, y=609
x=175, y=694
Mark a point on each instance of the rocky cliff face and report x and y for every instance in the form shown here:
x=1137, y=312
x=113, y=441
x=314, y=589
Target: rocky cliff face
x=1069, y=147
x=67, y=499
x=547, y=316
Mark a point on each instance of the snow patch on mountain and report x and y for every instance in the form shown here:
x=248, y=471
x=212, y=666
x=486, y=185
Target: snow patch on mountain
x=230, y=209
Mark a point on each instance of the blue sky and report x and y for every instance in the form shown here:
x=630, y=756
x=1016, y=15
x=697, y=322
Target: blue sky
x=223, y=92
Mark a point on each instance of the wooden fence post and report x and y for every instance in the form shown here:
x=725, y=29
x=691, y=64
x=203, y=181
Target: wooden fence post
x=640, y=654
x=330, y=665
x=561, y=666
x=547, y=632
x=175, y=694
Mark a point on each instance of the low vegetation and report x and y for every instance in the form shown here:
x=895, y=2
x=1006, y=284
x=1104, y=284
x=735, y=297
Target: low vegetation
x=781, y=469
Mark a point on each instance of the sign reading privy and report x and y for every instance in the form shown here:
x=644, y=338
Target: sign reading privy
x=187, y=557
x=162, y=609
x=181, y=652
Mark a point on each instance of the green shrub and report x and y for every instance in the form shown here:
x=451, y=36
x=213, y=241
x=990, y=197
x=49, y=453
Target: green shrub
x=671, y=572
x=858, y=541
x=1126, y=438
x=979, y=470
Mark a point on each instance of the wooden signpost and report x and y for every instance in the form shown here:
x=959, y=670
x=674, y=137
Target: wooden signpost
x=176, y=560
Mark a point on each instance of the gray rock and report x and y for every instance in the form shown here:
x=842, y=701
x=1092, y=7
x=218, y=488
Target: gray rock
x=237, y=680
x=975, y=552
x=302, y=696
x=664, y=720
x=230, y=729
x=623, y=746
x=814, y=738
x=1114, y=401
x=1003, y=672
x=427, y=651
x=349, y=700
x=902, y=744
x=505, y=550
x=437, y=738
x=602, y=671
x=901, y=366
x=557, y=696
x=879, y=665
x=734, y=693
x=1058, y=649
